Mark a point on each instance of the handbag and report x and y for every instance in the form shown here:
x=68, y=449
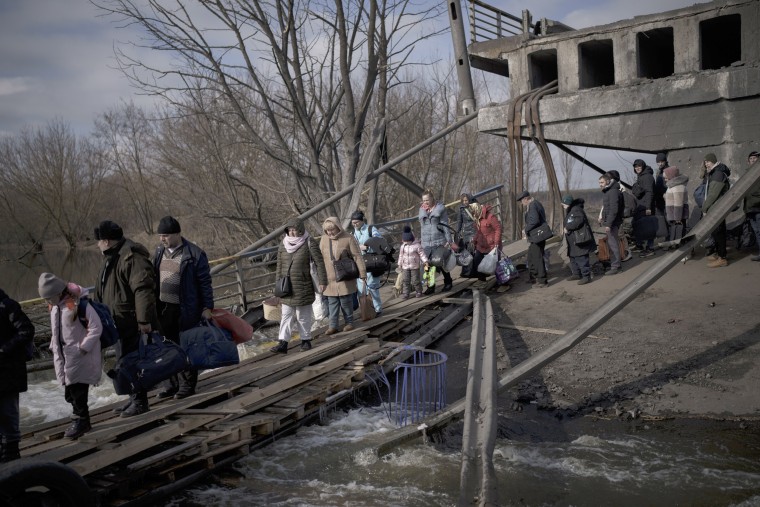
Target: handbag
x=283, y=287
x=487, y=265
x=377, y=264
x=345, y=268
x=583, y=235
x=540, y=233
x=506, y=271
x=366, y=306
x=440, y=256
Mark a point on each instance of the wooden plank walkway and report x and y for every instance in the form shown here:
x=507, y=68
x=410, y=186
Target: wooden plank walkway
x=238, y=408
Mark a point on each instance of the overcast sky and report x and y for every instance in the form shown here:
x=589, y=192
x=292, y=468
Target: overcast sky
x=56, y=56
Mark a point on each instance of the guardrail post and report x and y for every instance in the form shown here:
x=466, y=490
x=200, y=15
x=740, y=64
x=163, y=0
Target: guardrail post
x=241, y=283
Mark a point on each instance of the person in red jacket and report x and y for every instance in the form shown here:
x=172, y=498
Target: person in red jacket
x=487, y=233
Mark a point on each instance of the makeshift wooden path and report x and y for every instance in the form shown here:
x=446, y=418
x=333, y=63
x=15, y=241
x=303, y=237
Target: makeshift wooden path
x=237, y=409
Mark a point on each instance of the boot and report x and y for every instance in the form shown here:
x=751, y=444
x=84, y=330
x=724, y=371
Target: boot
x=584, y=281
x=170, y=389
x=78, y=428
x=139, y=406
x=10, y=452
x=119, y=410
x=720, y=262
x=348, y=327
x=188, y=379
x=305, y=345
x=280, y=348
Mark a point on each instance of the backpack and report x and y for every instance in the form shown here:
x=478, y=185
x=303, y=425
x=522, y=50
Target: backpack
x=110, y=334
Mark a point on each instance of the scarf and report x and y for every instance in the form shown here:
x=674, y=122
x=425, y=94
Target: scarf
x=294, y=243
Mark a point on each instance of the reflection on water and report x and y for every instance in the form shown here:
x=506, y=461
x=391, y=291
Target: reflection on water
x=18, y=277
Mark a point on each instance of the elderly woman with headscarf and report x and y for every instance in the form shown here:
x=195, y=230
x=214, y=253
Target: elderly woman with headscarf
x=336, y=244
x=487, y=233
x=297, y=252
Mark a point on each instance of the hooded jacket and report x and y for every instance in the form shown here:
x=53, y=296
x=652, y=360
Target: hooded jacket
x=411, y=254
x=612, y=202
x=575, y=219
x=677, y=199
x=298, y=265
x=16, y=331
x=717, y=185
x=343, y=245
x=76, y=349
x=643, y=191
x=488, y=234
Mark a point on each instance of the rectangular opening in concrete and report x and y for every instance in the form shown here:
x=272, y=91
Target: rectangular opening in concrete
x=720, y=41
x=596, y=63
x=655, y=52
x=543, y=67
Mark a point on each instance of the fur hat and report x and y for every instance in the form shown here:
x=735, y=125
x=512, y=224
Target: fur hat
x=108, y=230
x=661, y=157
x=522, y=196
x=50, y=285
x=568, y=199
x=639, y=163
x=169, y=225
x=358, y=215
x=671, y=172
x=407, y=235
x=710, y=157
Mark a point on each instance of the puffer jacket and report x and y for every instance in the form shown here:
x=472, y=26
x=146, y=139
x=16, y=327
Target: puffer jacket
x=344, y=245
x=411, y=254
x=488, y=235
x=76, y=349
x=613, y=205
x=16, y=331
x=717, y=185
x=196, y=292
x=576, y=219
x=434, y=226
x=677, y=199
x=127, y=285
x=300, y=269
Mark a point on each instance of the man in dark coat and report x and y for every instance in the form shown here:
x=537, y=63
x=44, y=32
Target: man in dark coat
x=716, y=179
x=16, y=335
x=644, y=192
x=535, y=217
x=576, y=225
x=127, y=285
x=612, y=217
x=183, y=295
x=752, y=202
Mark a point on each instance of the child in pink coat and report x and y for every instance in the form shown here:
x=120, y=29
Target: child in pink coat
x=75, y=346
x=410, y=257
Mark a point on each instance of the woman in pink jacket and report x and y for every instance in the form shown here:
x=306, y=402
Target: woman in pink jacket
x=76, y=346
x=410, y=256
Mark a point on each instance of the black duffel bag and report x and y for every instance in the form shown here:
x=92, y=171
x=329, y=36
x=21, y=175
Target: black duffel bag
x=439, y=256
x=377, y=264
x=155, y=360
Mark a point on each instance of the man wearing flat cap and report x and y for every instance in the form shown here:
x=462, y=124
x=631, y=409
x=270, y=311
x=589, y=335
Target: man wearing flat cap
x=127, y=285
x=184, y=295
x=535, y=217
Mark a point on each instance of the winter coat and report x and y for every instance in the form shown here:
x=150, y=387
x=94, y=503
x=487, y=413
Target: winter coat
x=629, y=202
x=16, y=331
x=576, y=219
x=411, y=254
x=127, y=284
x=363, y=233
x=677, y=199
x=300, y=269
x=488, y=235
x=752, y=199
x=613, y=205
x=76, y=349
x=434, y=228
x=717, y=185
x=344, y=245
x=660, y=187
x=195, y=291
x=535, y=216
x=643, y=191
x=466, y=224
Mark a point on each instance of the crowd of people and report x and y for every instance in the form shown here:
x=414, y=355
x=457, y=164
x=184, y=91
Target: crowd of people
x=171, y=291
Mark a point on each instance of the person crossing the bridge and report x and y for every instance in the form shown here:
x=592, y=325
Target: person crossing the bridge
x=717, y=184
x=535, y=218
x=184, y=295
x=362, y=232
x=752, y=202
x=434, y=232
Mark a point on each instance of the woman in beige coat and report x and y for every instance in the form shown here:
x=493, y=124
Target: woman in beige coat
x=335, y=244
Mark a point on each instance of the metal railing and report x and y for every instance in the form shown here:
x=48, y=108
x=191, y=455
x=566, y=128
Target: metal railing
x=489, y=23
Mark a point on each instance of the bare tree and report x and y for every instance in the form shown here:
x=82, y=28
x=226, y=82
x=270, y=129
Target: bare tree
x=57, y=173
x=127, y=133
x=294, y=81
x=567, y=168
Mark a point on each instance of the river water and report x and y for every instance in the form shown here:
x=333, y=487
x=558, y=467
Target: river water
x=539, y=461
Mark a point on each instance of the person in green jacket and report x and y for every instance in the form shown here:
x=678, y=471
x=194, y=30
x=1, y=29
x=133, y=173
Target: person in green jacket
x=295, y=255
x=752, y=202
x=716, y=179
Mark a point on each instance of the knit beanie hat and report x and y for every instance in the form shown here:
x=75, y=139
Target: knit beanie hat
x=169, y=225
x=407, y=235
x=568, y=199
x=50, y=285
x=710, y=157
x=661, y=157
x=671, y=172
x=108, y=230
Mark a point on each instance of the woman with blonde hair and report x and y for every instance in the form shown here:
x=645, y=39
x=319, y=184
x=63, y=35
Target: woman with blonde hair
x=337, y=244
